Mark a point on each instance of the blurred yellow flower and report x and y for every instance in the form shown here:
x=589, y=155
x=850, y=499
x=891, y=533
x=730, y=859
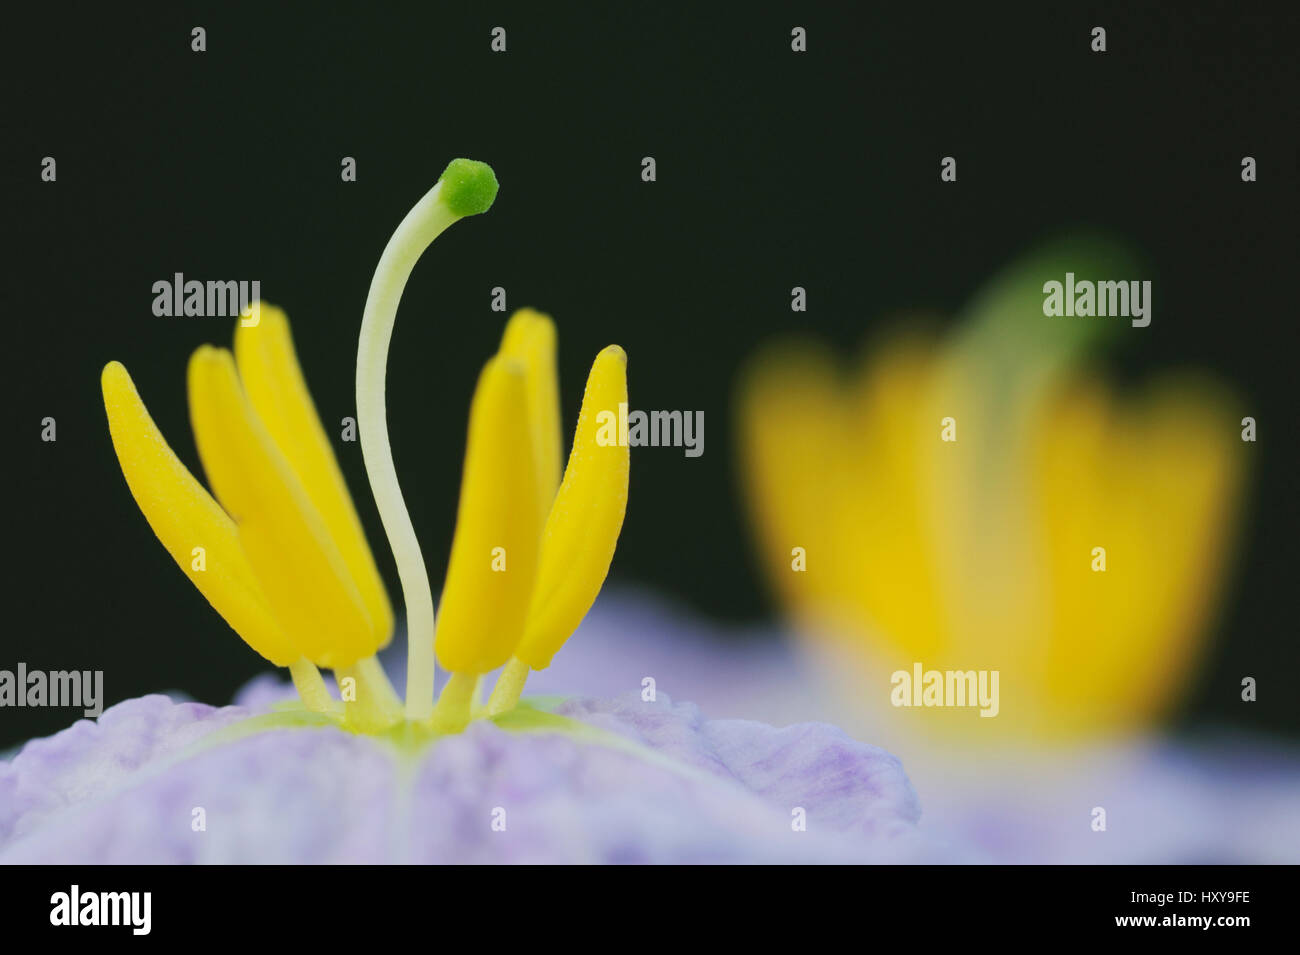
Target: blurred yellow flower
x=985, y=502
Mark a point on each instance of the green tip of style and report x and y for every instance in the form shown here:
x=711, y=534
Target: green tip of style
x=468, y=187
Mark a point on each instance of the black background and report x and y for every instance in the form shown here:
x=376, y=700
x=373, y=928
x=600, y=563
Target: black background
x=775, y=169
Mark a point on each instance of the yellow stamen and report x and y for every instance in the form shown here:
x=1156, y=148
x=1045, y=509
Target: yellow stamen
x=982, y=548
x=452, y=713
x=792, y=413
x=273, y=381
x=302, y=574
x=494, y=553
x=530, y=337
x=1125, y=641
x=509, y=686
x=185, y=517
x=585, y=520
x=311, y=687
x=373, y=705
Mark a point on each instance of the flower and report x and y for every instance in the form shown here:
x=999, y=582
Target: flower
x=986, y=503
x=279, y=552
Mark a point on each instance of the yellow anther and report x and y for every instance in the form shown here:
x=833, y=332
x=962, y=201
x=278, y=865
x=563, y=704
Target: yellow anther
x=185, y=517
x=585, y=520
x=300, y=570
x=273, y=381
x=494, y=553
x=530, y=338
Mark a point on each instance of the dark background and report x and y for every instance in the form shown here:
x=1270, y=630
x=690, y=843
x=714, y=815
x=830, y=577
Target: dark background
x=774, y=169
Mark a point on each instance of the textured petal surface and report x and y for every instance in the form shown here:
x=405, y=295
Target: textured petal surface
x=125, y=790
x=1224, y=799
x=93, y=758
x=1227, y=800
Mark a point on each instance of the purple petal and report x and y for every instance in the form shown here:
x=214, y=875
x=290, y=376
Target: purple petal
x=681, y=789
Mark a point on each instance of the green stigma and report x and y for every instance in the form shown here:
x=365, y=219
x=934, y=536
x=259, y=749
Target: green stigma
x=468, y=187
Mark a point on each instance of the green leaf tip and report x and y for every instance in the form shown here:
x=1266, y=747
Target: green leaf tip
x=468, y=187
